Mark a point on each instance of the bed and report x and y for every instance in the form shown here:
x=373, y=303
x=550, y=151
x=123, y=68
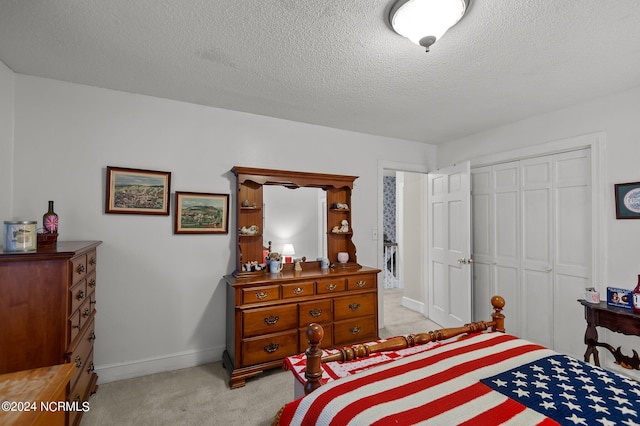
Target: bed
x=477, y=375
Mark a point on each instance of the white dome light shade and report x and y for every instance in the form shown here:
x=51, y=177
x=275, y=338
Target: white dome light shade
x=425, y=21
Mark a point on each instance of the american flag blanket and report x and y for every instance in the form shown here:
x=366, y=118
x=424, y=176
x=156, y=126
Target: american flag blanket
x=485, y=379
x=334, y=370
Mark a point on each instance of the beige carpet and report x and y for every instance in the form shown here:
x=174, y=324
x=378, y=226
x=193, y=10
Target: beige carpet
x=201, y=396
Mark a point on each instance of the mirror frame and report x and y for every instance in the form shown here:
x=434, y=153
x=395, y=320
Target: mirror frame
x=249, y=186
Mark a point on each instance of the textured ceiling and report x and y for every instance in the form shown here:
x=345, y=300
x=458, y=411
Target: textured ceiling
x=335, y=63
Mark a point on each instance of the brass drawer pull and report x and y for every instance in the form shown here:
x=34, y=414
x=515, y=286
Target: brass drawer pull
x=80, y=268
x=80, y=295
x=332, y=287
x=271, y=320
x=271, y=348
x=361, y=283
x=261, y=295
x=92, y=283
x=86, y=312
x=92, y=261
x=354, y=306
x=92, y=336
x=92, y=302
x=91, y=368
x=77, y=326
x=78, y=361
x=315, y=312
x=355, y=330
x=298, y=290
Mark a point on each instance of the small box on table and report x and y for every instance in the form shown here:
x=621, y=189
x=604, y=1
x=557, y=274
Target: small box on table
x=619, y=297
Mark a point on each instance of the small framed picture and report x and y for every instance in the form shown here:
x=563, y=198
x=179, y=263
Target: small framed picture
x=201, y=213
x=137, y=191
x=627, y=200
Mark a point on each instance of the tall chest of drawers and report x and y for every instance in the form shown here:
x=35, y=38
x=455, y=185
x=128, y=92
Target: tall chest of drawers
x=47, y=312
x=267, y=316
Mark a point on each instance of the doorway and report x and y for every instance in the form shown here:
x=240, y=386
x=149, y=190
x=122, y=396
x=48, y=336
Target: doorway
x=401, y=228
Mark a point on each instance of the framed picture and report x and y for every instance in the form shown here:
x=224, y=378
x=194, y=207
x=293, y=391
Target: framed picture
x=627, y=200
x=201, y=213
x=136, y=191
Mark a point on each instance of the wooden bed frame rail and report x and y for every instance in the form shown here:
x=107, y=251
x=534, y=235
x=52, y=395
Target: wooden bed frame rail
x=315, y=333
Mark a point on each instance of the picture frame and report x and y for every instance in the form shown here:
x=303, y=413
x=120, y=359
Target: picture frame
x=627, y=200
x=137, y=191
x=201, y=213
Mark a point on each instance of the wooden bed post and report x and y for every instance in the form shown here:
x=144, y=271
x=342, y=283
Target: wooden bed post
x=313, y=374
x=498, y=317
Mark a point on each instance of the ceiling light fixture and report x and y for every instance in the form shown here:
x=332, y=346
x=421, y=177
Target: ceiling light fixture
x=425, y=21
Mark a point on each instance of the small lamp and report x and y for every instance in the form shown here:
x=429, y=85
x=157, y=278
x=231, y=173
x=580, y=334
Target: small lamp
x=288, y=252
x=425, y=21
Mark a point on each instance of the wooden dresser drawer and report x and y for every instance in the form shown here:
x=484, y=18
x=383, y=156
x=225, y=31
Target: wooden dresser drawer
x=361, y=282
x=327, y=340
x=74, y=325
x=297, y=289
x=92, y=260
x=269, y=320
x=91, y=283
x=331, y=286
x=354, y=306
x=77, y=295
x=319, y=311
x=80, y=355
x=356, y=329
x=78, y=268
x=79, y=391
x=260, y=294
x=269, y=348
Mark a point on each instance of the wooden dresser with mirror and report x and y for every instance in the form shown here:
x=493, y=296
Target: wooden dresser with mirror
x=268, y=313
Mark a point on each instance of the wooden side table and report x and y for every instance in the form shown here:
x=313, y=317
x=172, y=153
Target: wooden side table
x=27, y=389
x=620, y=320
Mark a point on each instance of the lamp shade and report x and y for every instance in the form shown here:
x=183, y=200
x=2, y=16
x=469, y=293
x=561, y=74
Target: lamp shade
x=425, y=21
x=288, y=250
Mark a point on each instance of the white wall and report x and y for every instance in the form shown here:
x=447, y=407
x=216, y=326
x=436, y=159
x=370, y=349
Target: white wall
x=617, y=116
x=6, y=143
x=411, y=243
x=161, y=297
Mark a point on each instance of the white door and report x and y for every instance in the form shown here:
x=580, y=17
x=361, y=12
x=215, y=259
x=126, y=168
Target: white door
x=532, y=245
x=449, y=242
x=496, y=249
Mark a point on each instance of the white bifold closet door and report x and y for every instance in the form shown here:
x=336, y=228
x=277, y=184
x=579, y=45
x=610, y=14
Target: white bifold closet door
x=532, y=245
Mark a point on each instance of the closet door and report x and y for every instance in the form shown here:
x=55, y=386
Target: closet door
x=537, y=254
x=572, y=247
x=532, y=245
x=496, y=251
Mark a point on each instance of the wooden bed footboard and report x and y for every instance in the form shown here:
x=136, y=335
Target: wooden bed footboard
x=315, y=333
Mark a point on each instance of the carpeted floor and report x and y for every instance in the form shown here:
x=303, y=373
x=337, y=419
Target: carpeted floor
x=201, y=396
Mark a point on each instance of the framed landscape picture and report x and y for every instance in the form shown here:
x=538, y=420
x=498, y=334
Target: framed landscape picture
x=627, y=200
x=201, y=213
x=136, y=191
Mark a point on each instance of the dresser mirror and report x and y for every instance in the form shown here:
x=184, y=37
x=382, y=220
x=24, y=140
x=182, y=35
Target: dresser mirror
x=298, y=208
x=295, y=216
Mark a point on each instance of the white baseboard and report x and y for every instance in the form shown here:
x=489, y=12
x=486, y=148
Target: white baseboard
x=412, y=304
x=143, y=367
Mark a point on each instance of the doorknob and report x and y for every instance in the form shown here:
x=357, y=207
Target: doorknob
x=465, y=260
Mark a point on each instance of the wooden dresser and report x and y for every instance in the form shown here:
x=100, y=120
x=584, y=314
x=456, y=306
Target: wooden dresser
x=267, y=317
x=268, y=314
x=47, y=312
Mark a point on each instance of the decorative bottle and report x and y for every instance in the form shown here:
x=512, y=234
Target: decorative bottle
x=50, y=221
x=636, y=297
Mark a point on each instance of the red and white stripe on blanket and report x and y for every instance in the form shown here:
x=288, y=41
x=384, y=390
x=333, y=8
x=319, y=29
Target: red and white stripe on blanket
x=335, y=370
x=484, y=379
